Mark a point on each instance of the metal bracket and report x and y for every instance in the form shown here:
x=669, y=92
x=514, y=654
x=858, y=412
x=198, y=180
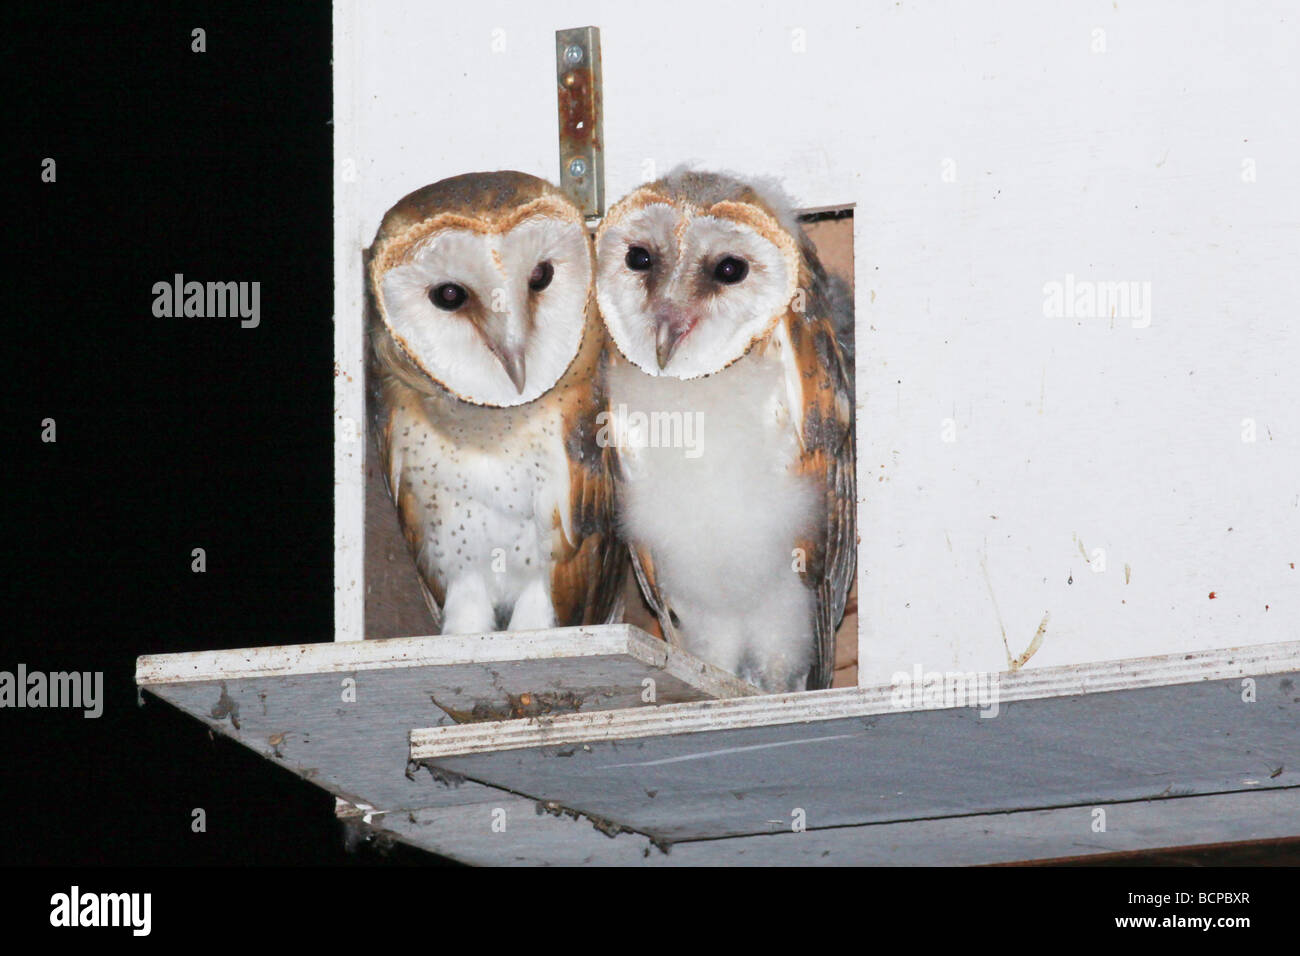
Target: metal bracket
x=582, y=134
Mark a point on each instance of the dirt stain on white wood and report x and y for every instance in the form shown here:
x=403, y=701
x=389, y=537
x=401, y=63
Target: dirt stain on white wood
x=1014, y=663
x=1034, y=644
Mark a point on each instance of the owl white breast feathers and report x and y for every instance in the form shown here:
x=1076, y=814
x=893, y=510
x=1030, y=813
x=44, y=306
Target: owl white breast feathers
x=732, y=416
x=485, y=382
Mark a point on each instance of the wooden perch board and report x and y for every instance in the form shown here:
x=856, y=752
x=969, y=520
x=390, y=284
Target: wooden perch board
x=1128, y=731
x=291, y=704
x=1169, y=747
x=466, y=833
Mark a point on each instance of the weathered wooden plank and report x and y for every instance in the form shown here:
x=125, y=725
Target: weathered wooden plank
x=866, y=701
x=678, y=773
x=340, y=714
x=670, y=776
x=507, y=830
x=466, y=834
x=575, y=643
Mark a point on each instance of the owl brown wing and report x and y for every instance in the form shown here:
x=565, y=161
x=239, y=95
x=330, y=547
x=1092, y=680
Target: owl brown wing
x=644, y=565
x=827, y=458
x=388, y=378
x=408, y=510
x=590, y=560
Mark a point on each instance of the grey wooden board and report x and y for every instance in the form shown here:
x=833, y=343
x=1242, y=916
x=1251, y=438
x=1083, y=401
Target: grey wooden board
x=357, y=751
x=465, y=833
x=289, y=701
x=1118, y=746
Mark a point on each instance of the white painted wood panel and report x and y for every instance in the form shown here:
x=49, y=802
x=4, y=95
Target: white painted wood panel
x=991, y=149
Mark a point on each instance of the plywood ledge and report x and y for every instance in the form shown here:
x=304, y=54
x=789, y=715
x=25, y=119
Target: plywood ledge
x=1042, y=835
x=432, y=743
x=346, y=657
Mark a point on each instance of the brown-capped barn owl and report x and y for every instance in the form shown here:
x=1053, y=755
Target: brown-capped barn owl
x=485, y=383
x=731, y=411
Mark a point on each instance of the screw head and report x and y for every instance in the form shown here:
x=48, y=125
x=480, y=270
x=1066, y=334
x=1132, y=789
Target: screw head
x=573, y=54
x=577, y=167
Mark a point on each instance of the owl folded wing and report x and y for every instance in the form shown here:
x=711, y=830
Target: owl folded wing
x=589, y=562
x=826, y=460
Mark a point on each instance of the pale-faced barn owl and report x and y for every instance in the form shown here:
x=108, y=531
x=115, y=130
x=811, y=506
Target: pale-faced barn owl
x=485, y=381
x=731, y=410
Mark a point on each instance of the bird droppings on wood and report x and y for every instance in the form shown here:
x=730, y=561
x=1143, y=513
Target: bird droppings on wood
x=226, y=707
x=516, y=707
x=448, y=778
x=607, y=827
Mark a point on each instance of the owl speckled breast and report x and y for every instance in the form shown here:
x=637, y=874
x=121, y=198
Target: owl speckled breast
x=485, y=385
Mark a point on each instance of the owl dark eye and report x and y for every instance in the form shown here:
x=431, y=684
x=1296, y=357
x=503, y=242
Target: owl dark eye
x=638, y=259
x=449, y=297
x=731, y=270
x=542, y=275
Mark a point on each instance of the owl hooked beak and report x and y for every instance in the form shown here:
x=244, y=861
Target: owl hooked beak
x=508, y=344
x=672, y=323
x=513, y=362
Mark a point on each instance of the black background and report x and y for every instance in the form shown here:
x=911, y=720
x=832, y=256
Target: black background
x=177, y=433
x=173, y=433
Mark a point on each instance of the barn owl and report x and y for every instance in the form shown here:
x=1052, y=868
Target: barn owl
x=731, y=412
x=485, y=383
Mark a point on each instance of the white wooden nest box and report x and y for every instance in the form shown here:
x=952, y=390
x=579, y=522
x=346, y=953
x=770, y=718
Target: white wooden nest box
x=1077, y=594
